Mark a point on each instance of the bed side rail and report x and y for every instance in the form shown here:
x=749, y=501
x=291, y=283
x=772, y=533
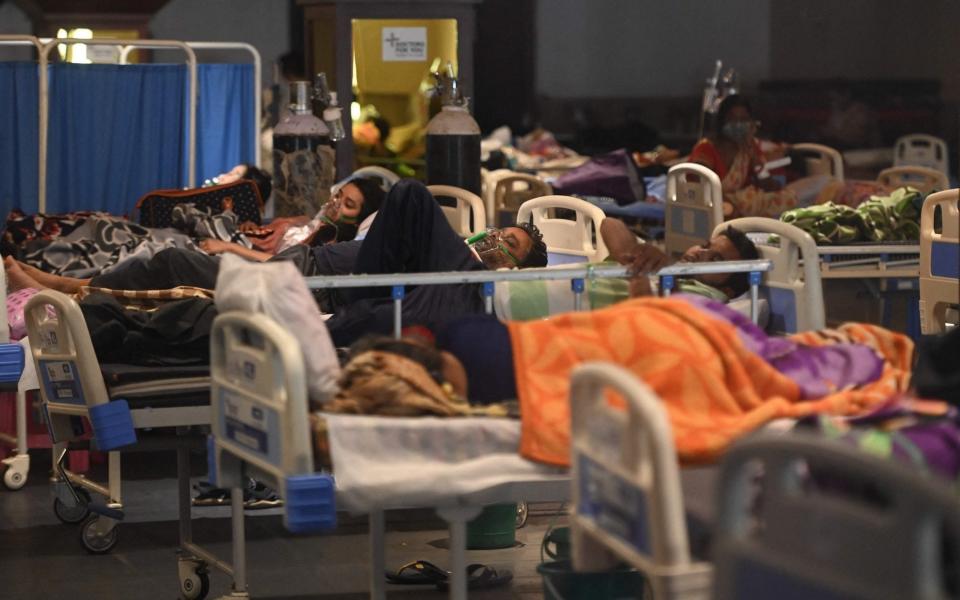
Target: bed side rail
x=628, y=504
x=939, y=261
x=71, y=385
x=831, y=521
x=259, y=422
x=694, y=206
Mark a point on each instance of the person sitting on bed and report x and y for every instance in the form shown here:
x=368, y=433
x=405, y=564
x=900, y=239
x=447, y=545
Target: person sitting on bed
x=646, y=259
x=733, y=152
x=338, y=220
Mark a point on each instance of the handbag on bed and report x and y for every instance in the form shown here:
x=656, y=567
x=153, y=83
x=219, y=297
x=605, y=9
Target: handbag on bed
x=155, y=209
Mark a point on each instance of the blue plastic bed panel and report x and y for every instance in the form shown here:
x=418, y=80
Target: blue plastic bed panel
x=310, y=503
x=11, y=362
x=112, y=425
x=59, y=379
x=783, y=310
x=945, y=260
x=690, y=222
x=212, y=460
x=250, y=427
x=613, y=504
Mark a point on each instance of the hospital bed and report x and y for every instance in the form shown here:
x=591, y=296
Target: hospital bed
x=924, y=179
x=940, y=263
x=467, y=216
x=122, y=403
x=119, y=401
x=259, y=430
x=567, y=241
x=694, y=202
x=800, y=540
x=920, y=149
x=875, y=530
x=820, y=160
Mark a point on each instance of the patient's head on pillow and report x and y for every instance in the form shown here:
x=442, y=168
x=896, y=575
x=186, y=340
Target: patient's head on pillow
x=442, y=367
x=730, y=244
x=258, y=176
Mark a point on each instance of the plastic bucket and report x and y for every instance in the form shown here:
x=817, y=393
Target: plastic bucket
x=560, y=582
x=495, y=527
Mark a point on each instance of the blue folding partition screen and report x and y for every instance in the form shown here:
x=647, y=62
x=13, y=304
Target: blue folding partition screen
x=117, y=132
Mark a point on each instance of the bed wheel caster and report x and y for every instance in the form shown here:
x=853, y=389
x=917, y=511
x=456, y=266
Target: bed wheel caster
x=99, y=534
x=14, y=479
x=194, y=580
x=522, y=514
x=68, y=510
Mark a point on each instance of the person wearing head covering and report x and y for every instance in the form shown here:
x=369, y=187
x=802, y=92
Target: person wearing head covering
x=338, y=220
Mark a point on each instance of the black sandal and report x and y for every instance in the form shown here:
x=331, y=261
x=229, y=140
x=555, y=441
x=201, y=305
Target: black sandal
x=418, y=572
x=481, y=577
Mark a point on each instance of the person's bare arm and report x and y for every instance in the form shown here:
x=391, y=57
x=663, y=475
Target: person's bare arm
x=627, y=250
x=211, y=246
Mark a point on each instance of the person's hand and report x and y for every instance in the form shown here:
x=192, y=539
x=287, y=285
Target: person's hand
x=212, y=246
x=643, y=260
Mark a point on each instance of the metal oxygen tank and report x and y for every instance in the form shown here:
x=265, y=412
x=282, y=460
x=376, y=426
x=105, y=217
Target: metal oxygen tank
x=303, y=157
x=453, y=139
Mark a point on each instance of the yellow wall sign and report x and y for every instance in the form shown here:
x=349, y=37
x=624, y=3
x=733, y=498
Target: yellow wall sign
x=404, y=43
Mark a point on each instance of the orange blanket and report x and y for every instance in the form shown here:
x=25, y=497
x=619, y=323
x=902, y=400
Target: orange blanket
x=713, y=388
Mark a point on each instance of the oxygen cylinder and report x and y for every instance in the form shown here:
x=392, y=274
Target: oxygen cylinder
x=453, y=144
x=303, y=158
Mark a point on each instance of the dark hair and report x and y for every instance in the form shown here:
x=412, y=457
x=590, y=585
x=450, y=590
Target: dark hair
x=739, y=283
x=537, y=257
x=429, y=358
x=260, y=178
x=373, y=196
x=729, y=103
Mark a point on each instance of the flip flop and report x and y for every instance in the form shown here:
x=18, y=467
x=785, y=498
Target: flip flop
x=480, y=577
x=418, y=572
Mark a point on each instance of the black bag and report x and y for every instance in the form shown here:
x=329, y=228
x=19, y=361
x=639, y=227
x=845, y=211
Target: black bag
x=242, y=197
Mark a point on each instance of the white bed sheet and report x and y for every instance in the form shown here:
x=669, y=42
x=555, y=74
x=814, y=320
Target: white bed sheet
x=406, y=462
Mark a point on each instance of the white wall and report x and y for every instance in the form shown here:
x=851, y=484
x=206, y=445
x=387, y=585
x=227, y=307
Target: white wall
x=263, y=23
x=617, y=48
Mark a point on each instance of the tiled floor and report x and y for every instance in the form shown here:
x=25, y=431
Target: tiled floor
x=42, y=558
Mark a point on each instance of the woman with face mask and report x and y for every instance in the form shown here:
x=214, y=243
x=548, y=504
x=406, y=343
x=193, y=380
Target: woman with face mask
x=734, y=153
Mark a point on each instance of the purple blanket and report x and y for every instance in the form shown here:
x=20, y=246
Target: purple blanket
x=818, y=371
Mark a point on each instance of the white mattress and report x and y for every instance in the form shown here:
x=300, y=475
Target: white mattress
x=407, y=462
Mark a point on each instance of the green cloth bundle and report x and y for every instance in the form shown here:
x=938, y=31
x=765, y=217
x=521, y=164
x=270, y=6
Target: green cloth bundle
x=879, y=219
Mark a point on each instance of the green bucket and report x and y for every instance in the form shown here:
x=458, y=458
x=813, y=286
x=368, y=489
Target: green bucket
x=495, y=527
x=561, y=582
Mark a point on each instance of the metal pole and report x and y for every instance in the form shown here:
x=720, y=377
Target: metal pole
x=754, y=296
x=239, y=540
x=378, y=563
x=397, y=294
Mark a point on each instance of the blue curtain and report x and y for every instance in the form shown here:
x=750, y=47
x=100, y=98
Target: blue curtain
x=18, y=136
x=226, y=134
x=115, y=133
